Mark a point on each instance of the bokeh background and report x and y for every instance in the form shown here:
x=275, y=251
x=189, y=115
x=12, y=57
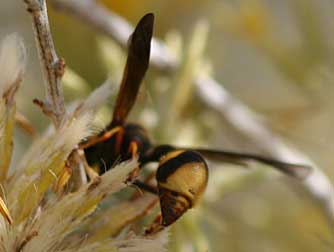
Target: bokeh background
x=275, y=56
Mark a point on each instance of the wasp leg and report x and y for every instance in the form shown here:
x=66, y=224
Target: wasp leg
x=146, y=187
x=97, y=139
x=133, y=150
x=91, y=172
x=155, y=227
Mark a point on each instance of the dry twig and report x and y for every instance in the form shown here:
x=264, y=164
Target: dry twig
x=52, y=65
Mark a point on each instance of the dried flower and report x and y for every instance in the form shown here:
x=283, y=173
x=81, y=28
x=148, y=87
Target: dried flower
x=32, y=216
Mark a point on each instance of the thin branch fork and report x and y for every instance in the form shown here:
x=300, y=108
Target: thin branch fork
x=52, y=65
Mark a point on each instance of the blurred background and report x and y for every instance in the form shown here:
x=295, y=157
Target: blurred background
x=274, y=56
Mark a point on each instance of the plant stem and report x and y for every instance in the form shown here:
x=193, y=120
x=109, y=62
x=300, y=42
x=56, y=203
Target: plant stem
x=52, y=65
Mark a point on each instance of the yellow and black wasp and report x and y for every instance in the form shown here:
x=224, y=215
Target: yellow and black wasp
x=182, y=173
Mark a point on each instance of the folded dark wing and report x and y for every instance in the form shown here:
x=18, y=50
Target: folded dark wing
x=299, y=171
x=136, y=66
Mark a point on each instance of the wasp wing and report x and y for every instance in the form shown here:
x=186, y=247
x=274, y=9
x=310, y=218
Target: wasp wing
x=135, y=69
x=299, y=171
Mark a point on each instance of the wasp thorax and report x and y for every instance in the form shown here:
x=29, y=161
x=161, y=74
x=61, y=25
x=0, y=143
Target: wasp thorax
x=126, y=142
x=135, y=133
x=182, y=178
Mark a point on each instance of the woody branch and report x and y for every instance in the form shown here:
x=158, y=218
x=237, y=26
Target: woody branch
x=53, y=67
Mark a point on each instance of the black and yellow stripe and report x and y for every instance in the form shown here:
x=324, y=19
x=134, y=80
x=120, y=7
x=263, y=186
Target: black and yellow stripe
x=174, y=160
x=182, y=177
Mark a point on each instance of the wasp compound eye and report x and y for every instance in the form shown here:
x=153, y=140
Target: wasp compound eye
x=182, y=177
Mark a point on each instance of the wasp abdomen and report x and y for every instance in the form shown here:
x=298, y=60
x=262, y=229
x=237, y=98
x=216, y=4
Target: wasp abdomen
x=182, y=178
x=173, y=205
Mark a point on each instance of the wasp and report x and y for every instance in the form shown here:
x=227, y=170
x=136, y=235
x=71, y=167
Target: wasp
x=182, y=173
